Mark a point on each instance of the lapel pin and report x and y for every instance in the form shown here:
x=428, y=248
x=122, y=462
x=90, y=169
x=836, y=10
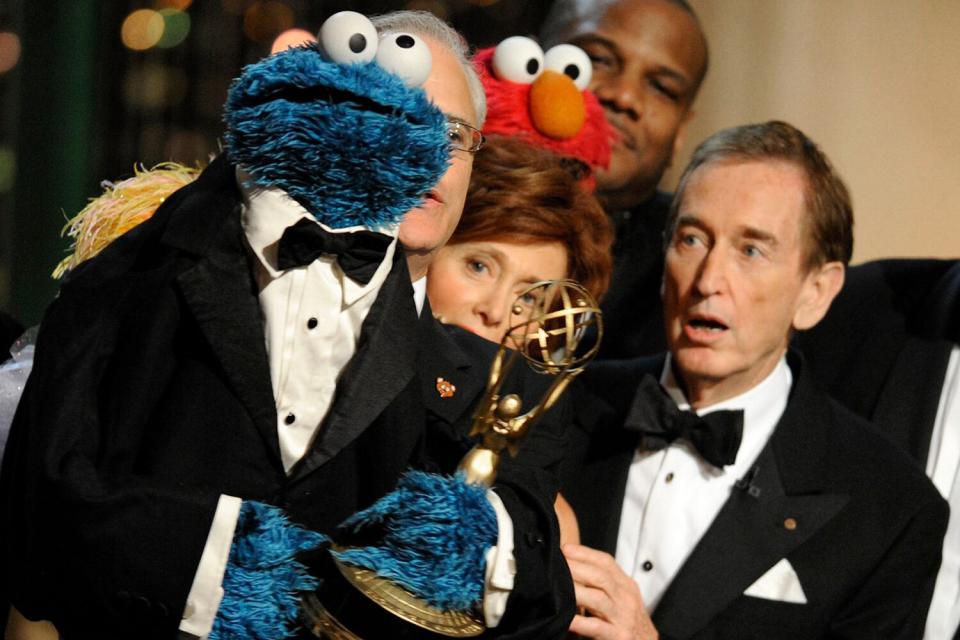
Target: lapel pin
x=790, y=524
x=445, y=388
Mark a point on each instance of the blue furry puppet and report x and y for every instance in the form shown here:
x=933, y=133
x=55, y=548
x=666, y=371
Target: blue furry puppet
x=355, y=146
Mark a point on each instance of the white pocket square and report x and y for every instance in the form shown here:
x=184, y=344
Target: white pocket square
x=779, y=583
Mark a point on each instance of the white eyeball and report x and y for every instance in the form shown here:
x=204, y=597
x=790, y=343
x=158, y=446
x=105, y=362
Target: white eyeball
x=518, y=59
x=348, y=36
x=572, y=61
x=407, y=56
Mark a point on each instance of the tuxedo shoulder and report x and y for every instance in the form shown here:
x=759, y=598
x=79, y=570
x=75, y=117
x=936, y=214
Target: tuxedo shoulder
x=187, y=219
x=873, y=464
x=611, y=379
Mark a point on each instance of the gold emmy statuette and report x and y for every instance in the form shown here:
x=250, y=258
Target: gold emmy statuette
x=551, y=319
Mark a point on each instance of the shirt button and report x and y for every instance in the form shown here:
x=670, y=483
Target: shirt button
x=669, y=477
x=647, y=565
x=290, y=419
x=312, y=323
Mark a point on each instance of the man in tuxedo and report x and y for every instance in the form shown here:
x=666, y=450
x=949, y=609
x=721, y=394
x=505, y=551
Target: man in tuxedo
x=171, y=382
x=649, y=60
x=722, y=494
x=888, y=351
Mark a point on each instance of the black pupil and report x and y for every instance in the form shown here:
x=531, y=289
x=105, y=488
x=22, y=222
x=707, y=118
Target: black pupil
x=572, y=70
x=533, y=65
x=357, y=43
x=404, y=41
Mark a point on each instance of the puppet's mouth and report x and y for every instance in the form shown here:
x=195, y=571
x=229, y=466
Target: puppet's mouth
x=331, y=95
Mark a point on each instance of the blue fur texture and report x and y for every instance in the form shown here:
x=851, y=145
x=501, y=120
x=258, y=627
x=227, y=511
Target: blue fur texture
x=436, y=530
x=350, y=142
x=262, y=580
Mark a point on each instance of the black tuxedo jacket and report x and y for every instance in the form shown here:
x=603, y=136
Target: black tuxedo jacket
x=151, y=396
x=632, y=308
x=866, y=546
x=882, y=349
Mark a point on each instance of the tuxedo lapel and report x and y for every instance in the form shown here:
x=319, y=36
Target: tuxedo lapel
x=443, y=362
x=221, y=294
x=602, y=449
x=758, y=526
x=379, y=370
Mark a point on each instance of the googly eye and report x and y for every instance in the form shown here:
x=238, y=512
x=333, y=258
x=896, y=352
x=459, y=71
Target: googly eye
x=405, y=55
x=518, y=59
x=348, y=36
x=572, y=61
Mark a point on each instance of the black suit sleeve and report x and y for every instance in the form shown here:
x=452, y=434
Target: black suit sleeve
x=541, y=604
x=895, y=597
x=90, y=541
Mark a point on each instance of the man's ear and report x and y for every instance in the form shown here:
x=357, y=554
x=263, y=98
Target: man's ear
x=820, y=287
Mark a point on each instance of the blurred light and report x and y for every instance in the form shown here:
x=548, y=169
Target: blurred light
x=177, y=5
x=8, y=169
x=142, y=29
x=188, y=147
x=154, y=86
x=176, y=27
x=263, y=21
x=9, y=50
x=291, y=38
x=235, y=7
x=436, y=7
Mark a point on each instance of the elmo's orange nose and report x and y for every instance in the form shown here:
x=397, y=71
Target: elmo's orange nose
x=556, y=106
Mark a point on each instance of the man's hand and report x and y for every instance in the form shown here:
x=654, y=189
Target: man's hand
x=609, y=595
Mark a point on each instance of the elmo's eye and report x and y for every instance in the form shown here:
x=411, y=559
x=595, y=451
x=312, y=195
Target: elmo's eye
x=405, y=55
x=518, y=59
x=571, y=61
x=348, y=36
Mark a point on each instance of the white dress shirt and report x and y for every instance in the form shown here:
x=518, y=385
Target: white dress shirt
x=675, y=491
x=943, y=467
x=312, y=317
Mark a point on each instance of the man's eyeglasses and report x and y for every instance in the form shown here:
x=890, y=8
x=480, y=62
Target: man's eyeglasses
x=463, y=137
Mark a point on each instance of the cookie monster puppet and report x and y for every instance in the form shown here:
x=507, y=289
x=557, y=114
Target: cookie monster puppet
x=354, y=142
x=341, y=128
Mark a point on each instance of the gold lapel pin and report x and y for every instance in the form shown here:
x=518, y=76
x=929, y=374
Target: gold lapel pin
x=445, y=388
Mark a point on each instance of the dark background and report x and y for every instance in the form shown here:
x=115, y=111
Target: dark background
x=80, y=107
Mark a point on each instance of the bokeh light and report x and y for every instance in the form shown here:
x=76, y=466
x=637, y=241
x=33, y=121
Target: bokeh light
x=151, y=87
x=235, y=7
x=176, y=27
x=9, y=50
x=291, y=38
x=436, y=7
x=177, y=5
x=263, y=21
x=8, y=168
x=142, y=29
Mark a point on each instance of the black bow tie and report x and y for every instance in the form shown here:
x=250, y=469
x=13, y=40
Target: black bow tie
x=359, y=253
x=716, y=435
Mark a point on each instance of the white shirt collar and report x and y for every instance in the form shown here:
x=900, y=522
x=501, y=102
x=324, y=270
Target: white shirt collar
x=419, y=293
x=267, y=212
x=762, y=405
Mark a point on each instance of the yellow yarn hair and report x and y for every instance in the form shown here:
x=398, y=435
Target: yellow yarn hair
x=121, y=207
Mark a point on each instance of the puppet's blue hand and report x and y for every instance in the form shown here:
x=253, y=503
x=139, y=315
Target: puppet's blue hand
x=263, y=579
x=436, y=531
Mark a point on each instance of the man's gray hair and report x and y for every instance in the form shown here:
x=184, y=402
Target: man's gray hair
x=427, y=25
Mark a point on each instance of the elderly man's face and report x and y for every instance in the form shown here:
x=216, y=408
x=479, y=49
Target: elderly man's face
x=735, y=280
x=647, y=57
x=427, y=228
